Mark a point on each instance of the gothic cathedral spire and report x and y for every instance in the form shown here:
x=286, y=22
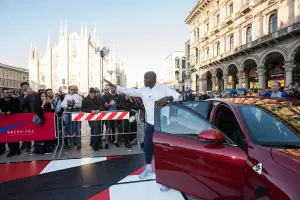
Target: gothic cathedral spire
x=61, y=33
x=66, y=30
x=81, y=30
x=86, y=30
x=48, y=43
x=95, y=34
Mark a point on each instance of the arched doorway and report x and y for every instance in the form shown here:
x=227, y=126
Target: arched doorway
x=274, y=68
x=177, y=76
x=219, y=80
x=232, y=81
x=250, y=77
x=197, y=82
x=296, y=70
x=208, y=77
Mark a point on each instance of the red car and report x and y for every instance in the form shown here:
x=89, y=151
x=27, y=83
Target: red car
x=242, y=148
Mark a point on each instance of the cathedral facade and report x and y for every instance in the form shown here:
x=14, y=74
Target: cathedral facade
x=73, y=61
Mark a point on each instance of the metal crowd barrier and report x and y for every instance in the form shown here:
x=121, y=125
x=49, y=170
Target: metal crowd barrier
x=78, y=125
x=58, y=132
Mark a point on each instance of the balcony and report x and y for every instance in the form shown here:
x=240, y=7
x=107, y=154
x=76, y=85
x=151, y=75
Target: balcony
x=214, y=59
x=205, y=36
x=205, y=62
x=216, y=28
x=247, y=7
x=229, y=19
x=267, y=39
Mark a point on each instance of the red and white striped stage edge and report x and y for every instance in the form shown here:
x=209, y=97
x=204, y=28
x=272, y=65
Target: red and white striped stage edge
x=100, y=116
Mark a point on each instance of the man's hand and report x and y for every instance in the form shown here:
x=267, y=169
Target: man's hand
x=110, y=84
x=8, y=113
x=162, y=102
x=2, y=113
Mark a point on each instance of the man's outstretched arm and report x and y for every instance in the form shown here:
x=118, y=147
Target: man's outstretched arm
x=128, y=91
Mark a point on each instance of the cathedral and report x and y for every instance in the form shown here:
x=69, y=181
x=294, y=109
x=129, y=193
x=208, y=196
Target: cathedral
x=73, y=61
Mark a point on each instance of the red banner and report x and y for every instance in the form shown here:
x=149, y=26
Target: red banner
x=19, y=127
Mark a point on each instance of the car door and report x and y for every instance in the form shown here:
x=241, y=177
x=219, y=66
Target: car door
x=183, y=162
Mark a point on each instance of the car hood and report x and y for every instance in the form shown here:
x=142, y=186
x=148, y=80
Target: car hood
x=288, y=158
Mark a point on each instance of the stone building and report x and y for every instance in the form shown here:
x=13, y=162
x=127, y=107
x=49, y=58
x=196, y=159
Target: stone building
x=244, y=43
x=73, y=61
x=188, y=83
x=121, y=75
x=12, y=77
x=175, y=70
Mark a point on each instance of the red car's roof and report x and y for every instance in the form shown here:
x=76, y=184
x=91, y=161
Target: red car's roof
x=287, y=110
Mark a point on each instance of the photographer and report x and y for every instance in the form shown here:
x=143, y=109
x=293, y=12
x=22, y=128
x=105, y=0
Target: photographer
x=8, y=106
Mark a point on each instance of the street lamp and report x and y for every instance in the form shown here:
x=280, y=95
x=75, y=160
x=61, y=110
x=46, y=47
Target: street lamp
x=110, y=71
x=104, y=51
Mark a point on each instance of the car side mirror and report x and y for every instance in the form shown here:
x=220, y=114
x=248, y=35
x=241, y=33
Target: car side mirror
x=211, y=136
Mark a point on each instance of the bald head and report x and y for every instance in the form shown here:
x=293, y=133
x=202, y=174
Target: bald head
x=150, y=79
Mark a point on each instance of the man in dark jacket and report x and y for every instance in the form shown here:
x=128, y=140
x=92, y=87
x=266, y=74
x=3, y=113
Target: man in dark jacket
x=8, y=106
x=91, y=104
x=25, y=104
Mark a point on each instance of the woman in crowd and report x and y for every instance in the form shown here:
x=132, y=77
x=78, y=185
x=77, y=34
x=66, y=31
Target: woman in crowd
x=128, y=104
x=42, y=105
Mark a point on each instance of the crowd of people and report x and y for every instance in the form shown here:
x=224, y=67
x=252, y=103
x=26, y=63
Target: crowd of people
x=276, y=91
x=64, y=105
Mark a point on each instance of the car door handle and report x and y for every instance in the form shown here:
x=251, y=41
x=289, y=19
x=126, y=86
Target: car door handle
x=165, y=147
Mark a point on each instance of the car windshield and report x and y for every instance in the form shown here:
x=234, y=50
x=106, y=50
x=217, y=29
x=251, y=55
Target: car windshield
x=266, y=129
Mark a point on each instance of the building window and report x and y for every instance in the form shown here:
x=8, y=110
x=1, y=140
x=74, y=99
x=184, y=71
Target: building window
x=177, y=62
x=207, y=13
x=118, y=80
x=207, y=27
x=249, y=34
x=231, y=40
x=231, y=8
x=195, y=35
x=183, y=75
x=197, y=56
x=207, y=53
x=63, y=81
x=218, y=2
x=273, y=23
x=43, y=78
x=218, y=48
x=177, y=75
x=198, y=35
x=183, y=60
x=218, y=19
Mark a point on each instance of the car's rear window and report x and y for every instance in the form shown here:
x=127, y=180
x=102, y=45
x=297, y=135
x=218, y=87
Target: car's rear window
x=265, y=127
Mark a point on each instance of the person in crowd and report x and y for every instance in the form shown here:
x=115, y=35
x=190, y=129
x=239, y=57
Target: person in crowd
x=25, y=103
x=150, y=93
x=129, y=105
x=72, y=103
x=289, y=92
x=42, y=105
x=275, y=92
x=260, y=92
x=243, y=93
x=112, y=102
x=297, y=93
x=56, y=103
x=9, y=105
x=91, y=104
x=226, y=94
